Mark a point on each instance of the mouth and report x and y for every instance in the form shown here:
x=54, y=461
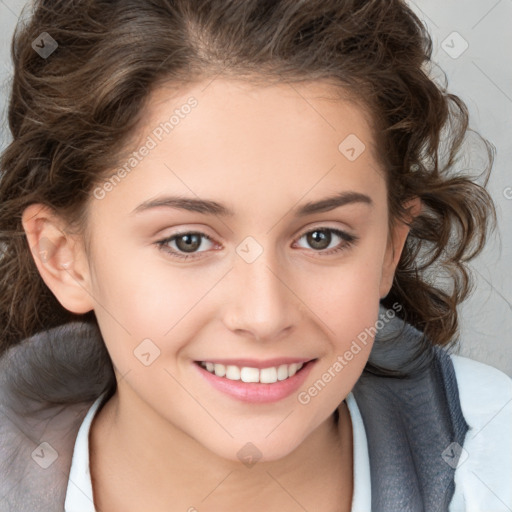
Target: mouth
x=263, y=373
x=255, y=385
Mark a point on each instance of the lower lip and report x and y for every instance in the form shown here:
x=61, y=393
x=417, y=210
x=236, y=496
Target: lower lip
x=256, y=392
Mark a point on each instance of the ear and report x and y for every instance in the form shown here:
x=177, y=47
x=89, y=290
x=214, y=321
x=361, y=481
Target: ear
x=396, y=243
x=59, y=257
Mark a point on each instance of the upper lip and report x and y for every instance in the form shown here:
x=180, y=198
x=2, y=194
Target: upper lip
x=255, y=363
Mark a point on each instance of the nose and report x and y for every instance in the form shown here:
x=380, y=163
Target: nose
x=262, y=303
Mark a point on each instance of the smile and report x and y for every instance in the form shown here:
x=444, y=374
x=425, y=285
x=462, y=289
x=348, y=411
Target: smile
x=248, y=374
x=256, y=385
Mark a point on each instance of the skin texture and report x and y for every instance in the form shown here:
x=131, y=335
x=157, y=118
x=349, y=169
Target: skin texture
x=167, y=440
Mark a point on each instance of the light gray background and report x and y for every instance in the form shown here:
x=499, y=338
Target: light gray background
x=482, y=77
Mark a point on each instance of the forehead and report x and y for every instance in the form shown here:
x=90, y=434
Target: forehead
x=251, y=144
x=296, y=109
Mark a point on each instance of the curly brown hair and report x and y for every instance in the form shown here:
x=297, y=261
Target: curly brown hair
x=73, y=113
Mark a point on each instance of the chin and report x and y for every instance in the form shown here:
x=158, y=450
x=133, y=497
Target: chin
x=249, y=452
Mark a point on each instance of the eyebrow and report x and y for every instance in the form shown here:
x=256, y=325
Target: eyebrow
x=209, y=207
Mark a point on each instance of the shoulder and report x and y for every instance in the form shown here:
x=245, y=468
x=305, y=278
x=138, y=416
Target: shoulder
x=484, y=470
x=36, y=450
x=472, y=372
x=485, y=394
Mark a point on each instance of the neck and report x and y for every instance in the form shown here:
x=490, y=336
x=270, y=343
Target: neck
x=130, y=452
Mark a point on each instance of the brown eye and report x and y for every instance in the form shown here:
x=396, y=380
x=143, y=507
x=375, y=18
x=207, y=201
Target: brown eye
x=187, y=244
x=321, y=238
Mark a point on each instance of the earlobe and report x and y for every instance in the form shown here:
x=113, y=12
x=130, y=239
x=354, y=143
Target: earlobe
x=396, y=243
x=59, y=258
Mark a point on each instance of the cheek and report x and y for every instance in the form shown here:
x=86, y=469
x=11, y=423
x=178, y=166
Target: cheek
x=135, y=287
x=347, y=303
x=347, y=289
x=346, y=298
x=140, y=297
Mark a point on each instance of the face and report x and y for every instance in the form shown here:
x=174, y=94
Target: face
x=258, y=272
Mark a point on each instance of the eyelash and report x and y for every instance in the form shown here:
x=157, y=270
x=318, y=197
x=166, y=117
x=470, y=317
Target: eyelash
x=349, y=240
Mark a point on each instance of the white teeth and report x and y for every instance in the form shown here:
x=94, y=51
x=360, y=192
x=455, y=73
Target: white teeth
x=282, y=372
x=220, y=370
x=268, y=375
x=232, y=372
x=247, y=374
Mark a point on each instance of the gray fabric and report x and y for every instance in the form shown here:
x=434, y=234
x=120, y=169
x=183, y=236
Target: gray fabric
x=47, y=384
x=49, y=381
x=410, y=421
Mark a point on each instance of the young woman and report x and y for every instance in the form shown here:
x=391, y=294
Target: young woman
x=221, y=224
